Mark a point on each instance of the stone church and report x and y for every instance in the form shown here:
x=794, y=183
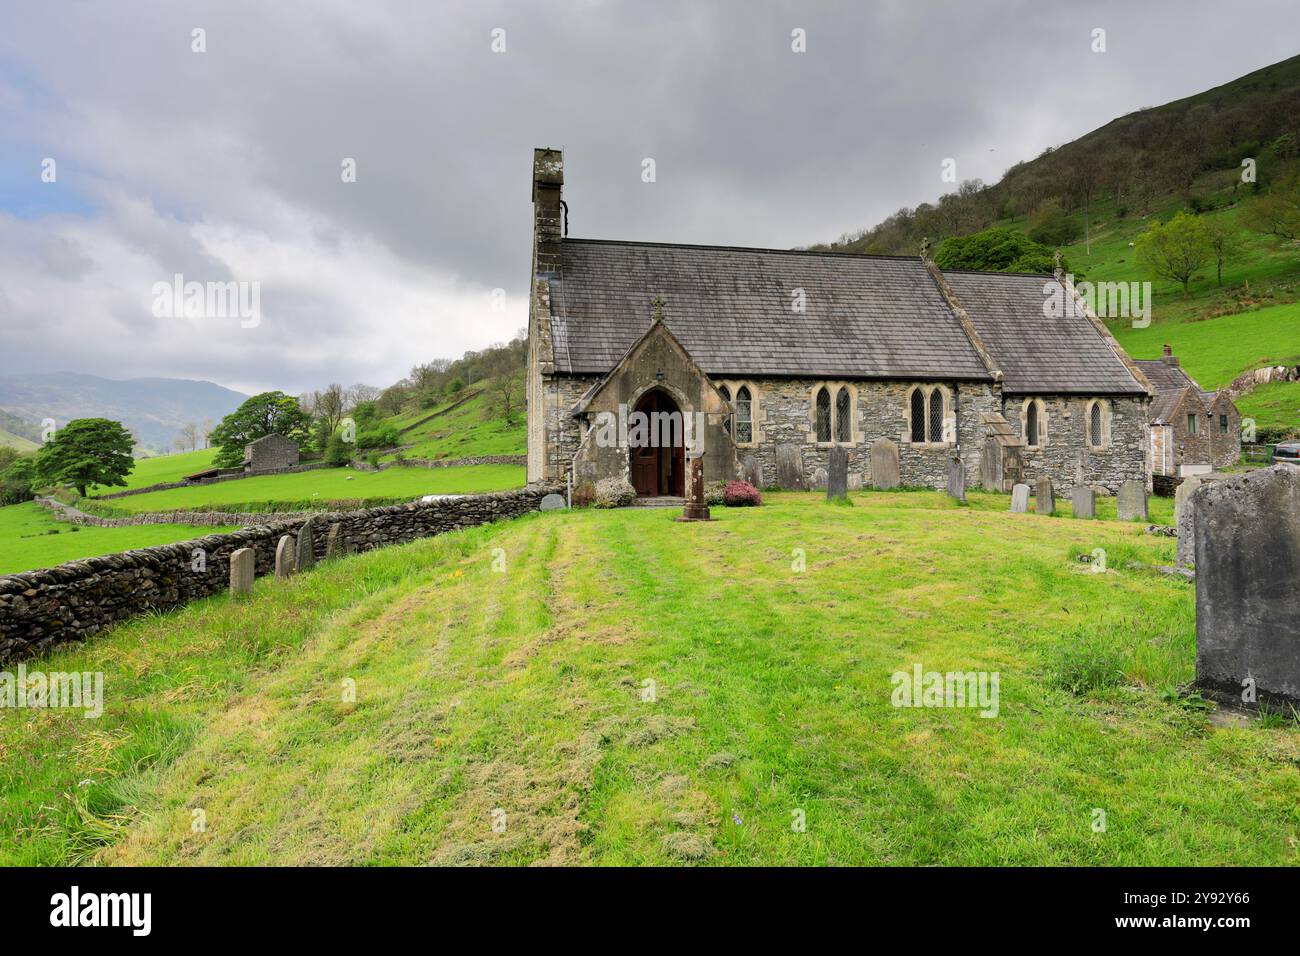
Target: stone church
x=769, y=358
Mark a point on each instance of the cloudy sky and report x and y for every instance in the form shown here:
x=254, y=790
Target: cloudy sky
x=228, y=164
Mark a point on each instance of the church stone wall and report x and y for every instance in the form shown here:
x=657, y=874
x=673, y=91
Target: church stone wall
x=1066, y=449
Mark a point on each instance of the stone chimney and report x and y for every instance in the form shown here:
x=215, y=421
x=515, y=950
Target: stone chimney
x=548, y=180
x=1168, y=357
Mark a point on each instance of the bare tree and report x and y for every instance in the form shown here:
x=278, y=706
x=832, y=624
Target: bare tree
x=359, y=393
x=329, y=405
x=188, y=439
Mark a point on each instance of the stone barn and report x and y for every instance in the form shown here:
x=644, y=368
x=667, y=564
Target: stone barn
x=269, y=453
x=1193, y=431
x=766, y=359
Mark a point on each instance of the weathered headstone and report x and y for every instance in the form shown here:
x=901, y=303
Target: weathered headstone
x=789, y=467
x=1247, y=534
x=855, y=481
x=243, y=564
x=552, y=503
x=884, y=464
x=837, y=475
x=752, y=471
x=1083, y=502
x=1131, y=502
x=284, y=556
x=1044, y=497
x=819, y=478
x=335, y=542
x=696, y=509
x=306, y=558
x=1183, y=517
x=956, y=478
x=1020, y=499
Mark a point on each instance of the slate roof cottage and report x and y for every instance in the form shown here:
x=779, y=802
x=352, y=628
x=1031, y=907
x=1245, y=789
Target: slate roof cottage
x=773, y=357
x=1192, y=431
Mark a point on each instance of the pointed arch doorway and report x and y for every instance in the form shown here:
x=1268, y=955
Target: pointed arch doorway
x=658, y=466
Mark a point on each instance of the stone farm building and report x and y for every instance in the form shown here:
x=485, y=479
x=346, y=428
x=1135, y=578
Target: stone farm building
x=778, y=356
x=1192, y=431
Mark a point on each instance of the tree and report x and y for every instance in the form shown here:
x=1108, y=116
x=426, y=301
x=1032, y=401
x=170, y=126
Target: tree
x=188, y=438
x=270, y=413
x=205, y=431
x=359, y=394
x=16, y=477
x=1224, y=243
x=995, y=250
x=328, y=407
x=87, y=451
x=1278, y=212
x=1175, y=249
x=506, y=388
x=1050, y=226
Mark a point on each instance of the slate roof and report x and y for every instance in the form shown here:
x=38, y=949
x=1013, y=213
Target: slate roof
x=1037, y=352
x=1170, y=383
x=866, y=317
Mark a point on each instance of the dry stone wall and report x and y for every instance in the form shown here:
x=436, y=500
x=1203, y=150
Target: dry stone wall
x=39, y=609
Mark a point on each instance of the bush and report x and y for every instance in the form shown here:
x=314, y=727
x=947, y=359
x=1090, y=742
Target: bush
x=714, y=493
x=741, y=494
x=1050, y=226
x=337, y=451
x=1088, y=660
x=614, y=493
x=383, y=435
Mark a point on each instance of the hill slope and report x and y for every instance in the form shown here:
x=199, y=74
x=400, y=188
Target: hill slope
x=155, y=409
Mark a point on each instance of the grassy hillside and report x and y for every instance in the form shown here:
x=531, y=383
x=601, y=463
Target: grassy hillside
x=322, y=488
x=460, y=429
x=162, y=469
x=771, y=702
x=10, y=440
x=30, y=538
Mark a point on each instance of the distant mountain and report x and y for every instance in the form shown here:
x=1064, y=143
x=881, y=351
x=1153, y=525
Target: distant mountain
x=154, y=409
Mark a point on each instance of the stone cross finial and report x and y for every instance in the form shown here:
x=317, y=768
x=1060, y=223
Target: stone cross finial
x=925, y=248
x=657, y=309
x=1059, y=269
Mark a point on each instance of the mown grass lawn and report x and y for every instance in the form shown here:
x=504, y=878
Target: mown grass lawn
x=30, y=538
x=323, y=488
x=633, y=690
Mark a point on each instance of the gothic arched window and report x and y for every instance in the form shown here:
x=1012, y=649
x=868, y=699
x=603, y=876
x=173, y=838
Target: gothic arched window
x=744, y=415
x=823, y=419
x=918, y=416
x=843, y=419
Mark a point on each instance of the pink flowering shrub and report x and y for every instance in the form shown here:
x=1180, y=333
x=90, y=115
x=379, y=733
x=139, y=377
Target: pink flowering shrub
x=740, y=494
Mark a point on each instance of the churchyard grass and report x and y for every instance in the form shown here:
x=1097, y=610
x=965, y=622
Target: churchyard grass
x=627, y=689
x=30, y=538
x=319, y=488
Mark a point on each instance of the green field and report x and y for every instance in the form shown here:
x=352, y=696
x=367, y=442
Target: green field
x=462, y=432
x=322, y=488
x=162, y=469
x=1274, y=406
x=634, y=690
x=30, y=538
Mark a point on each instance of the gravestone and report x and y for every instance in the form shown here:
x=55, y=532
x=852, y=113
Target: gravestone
x=1131, y=502
x=752, y=471
x=1186, y=524
x=884, y=464
x=243, y=563
x=1044, y=497
x=284, y=554
x=335, y=542
x=552, y=503
x=956, y=479
x=1247, y=553
x=789, y=467
x=837, y=476
x=1081, y=466
x=1020, y=499
x=855, y=481
x=306, y=558
x=1083, y=502
x=696, y=509
x=819, y=479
